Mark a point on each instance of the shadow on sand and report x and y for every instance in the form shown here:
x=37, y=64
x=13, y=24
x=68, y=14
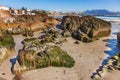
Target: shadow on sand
x=115, y=48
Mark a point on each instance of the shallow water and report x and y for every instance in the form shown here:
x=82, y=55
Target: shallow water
x=112, y=41
x=113, y=46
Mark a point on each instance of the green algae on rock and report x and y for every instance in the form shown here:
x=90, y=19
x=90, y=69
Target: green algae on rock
x=6, y=40
x=112, y=64
x=53, y=56
x=6, y=45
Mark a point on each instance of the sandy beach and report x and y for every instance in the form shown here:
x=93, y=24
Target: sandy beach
x=88, y=57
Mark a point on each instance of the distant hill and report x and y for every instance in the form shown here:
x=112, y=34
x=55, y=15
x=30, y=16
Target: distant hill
x=101, y=12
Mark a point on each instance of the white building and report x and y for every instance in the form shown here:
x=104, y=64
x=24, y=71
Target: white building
x=28, y=12
x=4, y=8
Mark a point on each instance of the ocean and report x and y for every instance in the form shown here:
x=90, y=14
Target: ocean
x=109, y=18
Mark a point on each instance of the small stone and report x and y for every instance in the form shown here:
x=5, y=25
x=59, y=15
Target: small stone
x=76, y=42
x=3, y=73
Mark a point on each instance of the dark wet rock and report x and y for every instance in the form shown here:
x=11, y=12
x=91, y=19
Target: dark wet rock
x=3, y=74
x=6, y=40
x=118, y=37
x=87, y=28
x=27, y=32
x=50, y=36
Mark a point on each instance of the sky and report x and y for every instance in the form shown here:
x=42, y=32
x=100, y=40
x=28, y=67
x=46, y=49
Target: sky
x=64, y=5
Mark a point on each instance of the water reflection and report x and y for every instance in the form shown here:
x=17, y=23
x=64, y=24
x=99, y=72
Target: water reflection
x=13, y=62
x=114, y=46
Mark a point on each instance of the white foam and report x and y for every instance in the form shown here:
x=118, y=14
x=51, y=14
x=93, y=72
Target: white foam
x=111, y=19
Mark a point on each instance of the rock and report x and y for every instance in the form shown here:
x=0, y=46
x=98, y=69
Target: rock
x=6, y=45
x=87, y=28
x=76, y=42
x=50, y=56
x=66, y=34
x=18, y=77
x=118, y=37
x=49, y=36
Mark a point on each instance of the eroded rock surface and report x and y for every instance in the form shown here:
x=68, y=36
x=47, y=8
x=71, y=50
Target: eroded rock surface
x=43, y=52
x=86, y=28
x=6, y=45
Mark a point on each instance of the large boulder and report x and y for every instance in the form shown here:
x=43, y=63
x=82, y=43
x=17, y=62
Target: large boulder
x=86, y=28
x=51, y=56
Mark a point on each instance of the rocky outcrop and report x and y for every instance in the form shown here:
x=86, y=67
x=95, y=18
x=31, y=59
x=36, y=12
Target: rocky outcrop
x=6, y=39
x=118, y=37
x=6, y=45
x=50, y=56
x=42, y=52
x=28, y=23
x=86, y=28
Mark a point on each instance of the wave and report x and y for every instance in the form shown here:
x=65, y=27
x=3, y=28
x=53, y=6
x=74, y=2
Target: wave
x=111, y=19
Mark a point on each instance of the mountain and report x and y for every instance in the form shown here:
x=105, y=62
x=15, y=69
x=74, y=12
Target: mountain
x=101, y=12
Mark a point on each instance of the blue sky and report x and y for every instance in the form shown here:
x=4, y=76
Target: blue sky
x=64, y=5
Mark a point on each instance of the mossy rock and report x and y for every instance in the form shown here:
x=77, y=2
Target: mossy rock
x=28, y=40
x=66, y=34
x=54, y=56
x=26, y=57
x=6, y=40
